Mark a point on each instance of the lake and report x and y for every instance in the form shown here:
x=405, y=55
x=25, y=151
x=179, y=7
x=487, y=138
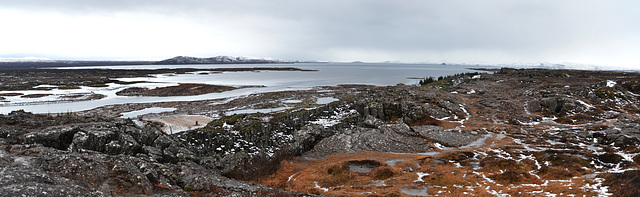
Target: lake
x=327, y=74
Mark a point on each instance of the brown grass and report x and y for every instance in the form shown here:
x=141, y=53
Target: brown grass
x=511, y=177
x=624, y=184
x=508, y=175
x=383, y=173
x=332, y=173
x=494, y=164
x=336, y=175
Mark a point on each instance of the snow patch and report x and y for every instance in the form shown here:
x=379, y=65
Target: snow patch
x=325, y=100
x=420, y=176
x=334, y=119
x=290, y=177
x=322, y=188
x=598, y=187
x=439, y=146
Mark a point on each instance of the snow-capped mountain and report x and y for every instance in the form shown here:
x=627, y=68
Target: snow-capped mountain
x=215, y=60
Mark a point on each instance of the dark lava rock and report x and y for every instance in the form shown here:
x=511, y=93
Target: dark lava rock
x=179, y=90
x=40, y=189
x=557, y=105
x=77, y=156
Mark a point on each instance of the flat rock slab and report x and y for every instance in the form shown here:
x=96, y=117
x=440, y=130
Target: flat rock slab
x=447, y=138
x=395, y=138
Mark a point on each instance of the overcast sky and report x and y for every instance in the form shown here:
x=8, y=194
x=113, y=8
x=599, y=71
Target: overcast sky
x=596, y=32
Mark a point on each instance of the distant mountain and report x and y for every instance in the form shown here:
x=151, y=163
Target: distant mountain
x=26, y=59
x=32, y=64
x=217, y=60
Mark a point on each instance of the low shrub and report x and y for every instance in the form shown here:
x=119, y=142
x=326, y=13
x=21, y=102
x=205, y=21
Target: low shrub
x=610, y=158
x=550, y=172
x=382, y=173
x=496, y=163
x=337, y=175
x=510, y=177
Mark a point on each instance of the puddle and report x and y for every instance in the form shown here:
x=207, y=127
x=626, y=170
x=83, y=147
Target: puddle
x=432, y=153
x=379, y=183
x=394, y=161
x=415, y=191
x=429, y=153
x=475, y=144
x=363, y=166
x=500, y=136
x=251, y=111
x=292, y=101
x=135, y=114
x=325, y=100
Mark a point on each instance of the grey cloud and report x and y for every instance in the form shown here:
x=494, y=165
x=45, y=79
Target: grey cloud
x=520, y=28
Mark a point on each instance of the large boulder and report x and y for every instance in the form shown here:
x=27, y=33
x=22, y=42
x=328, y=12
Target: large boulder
x=556, y=105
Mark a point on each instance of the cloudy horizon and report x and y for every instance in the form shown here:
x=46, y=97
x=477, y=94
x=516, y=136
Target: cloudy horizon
x=489, y=32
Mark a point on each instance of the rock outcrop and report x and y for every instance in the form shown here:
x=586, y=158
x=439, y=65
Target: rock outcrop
x=68, y=155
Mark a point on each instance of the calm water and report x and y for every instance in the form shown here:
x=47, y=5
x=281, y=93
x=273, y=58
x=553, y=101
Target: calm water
x=328, y=74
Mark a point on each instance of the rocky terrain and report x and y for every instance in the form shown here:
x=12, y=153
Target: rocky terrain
x=510, y=133
x=185, y=89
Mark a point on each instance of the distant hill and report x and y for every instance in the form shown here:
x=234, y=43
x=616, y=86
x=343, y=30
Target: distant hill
x=11, y=64
x=217, y=60
x=25, y=64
